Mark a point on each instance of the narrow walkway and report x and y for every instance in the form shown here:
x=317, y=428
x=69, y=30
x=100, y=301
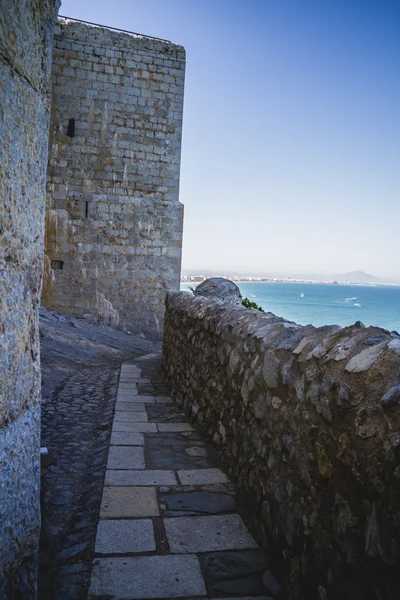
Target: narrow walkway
x=168, y=523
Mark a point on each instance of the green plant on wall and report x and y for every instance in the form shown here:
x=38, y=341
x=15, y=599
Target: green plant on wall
x=249, y=304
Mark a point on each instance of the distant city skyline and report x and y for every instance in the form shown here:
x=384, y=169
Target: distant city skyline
x=351, y=277
x=291, y=139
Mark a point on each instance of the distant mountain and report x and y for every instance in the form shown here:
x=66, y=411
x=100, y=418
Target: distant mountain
x=357, y=277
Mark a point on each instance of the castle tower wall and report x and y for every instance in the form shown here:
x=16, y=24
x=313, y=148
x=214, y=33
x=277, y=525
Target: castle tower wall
x=26, y=36
x=114, y=222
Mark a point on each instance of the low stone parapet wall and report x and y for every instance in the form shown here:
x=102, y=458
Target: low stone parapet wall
x=308, y=420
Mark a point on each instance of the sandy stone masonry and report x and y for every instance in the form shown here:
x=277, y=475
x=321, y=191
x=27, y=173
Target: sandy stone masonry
x=309, y=421
x=114, y=222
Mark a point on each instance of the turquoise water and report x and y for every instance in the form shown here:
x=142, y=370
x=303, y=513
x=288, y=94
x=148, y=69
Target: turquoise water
x=325, y=304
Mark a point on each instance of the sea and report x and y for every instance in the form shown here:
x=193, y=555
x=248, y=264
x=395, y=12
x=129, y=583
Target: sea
x=326, y=304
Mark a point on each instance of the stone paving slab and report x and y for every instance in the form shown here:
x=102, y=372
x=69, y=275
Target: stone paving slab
x=202, y=476
x=130, y=406
x=130, y=416
x=131, y=427
x=123, y=394
x=123, y=438
x=134, y=578
x=139, y=398
x=146, y=477
x=133, y=502
x=125, y=457
x=205, y=534
x=174, y=427
x=166, y=456
x=125, y=536
x=196, y=503
x=122, y=387
x=165, y=413
x=236, y=572
x=133, y=377
x=173, y=450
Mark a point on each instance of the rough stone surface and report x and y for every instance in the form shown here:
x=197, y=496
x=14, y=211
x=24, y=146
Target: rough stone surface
x=129, y=502
x=125, y=457
x=204, y=534
x=308, y=420
x=235, y=572
x=128, y=427
x=147, y=577
x=218, y=287
x=197, y=503
x=113, y=216
x=121, y=438
x=125, y=537
x=147, y=477
x=26, y=32
x=168, y=449
x=174, y=427
x=130, y=416
x=202, y=476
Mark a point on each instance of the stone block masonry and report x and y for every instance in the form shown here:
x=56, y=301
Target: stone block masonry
x=114, y=221
x=26, y=35
x=309, y=421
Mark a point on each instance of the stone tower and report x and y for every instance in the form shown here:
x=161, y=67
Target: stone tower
x=113, y=221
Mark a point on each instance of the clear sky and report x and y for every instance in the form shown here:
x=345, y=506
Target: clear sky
x=291, y=141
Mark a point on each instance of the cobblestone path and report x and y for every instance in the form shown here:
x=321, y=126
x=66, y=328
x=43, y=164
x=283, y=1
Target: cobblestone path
x=76, y=429
x=169, y=526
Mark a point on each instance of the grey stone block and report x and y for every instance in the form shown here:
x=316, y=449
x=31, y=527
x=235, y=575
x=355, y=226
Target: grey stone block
x=125, y=457
x=125, y=536
x=130, y=416
x=204, y=534
x=123, y=438
x=129, y=368
x=202, y=476
x=130, y=427
x=130, y=406
x=127, y=395
x=126, y=386
x=147, y=577
x=163, y=400
x=131, y=477
x=174, y=427
x=132, y=502
x=137, y=399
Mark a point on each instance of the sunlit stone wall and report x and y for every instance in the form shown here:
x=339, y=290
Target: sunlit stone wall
x=114, y=221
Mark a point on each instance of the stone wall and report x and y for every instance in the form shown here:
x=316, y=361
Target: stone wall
x=26, y=32
x=308, y=419
x=114, y=221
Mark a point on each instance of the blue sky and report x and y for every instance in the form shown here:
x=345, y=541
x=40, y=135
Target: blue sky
x=291, y=143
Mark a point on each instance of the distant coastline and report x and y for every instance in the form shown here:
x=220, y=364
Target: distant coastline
x=196, y=279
